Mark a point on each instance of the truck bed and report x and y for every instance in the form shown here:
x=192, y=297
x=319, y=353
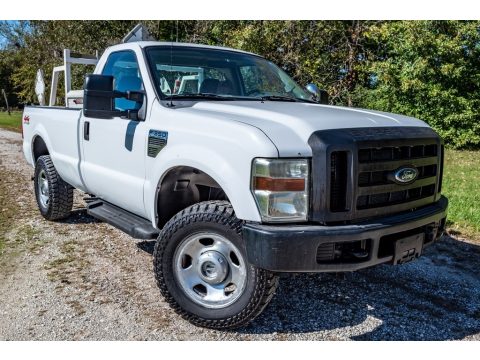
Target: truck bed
x=59, y=128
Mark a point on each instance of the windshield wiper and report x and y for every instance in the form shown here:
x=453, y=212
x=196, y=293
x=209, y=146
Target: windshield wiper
x=205, y=96
x=277, y=98
x=210, y=96
x=281, y=98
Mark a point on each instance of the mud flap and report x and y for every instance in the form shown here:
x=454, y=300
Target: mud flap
x=408, y=249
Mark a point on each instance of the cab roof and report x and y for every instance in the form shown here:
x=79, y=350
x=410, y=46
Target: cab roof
x=144, y=44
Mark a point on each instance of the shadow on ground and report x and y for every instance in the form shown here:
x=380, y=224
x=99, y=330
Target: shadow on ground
x=147, y=246
x=434, y=298
x=80, y=216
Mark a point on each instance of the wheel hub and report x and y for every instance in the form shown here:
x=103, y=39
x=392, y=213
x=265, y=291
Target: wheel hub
x=212, y=267
x=210, y=270
x=43, y=190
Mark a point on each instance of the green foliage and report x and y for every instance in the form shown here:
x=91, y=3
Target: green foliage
x=8, y=63
x=429, y=70
x=42, y=44
x=425, y=69
x=327, y=53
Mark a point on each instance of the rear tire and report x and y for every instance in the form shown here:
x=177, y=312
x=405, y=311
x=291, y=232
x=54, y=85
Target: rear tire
x=202, y=270
x=54, y=196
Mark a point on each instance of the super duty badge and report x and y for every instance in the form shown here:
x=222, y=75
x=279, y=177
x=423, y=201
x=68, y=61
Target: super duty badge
x=156, y=141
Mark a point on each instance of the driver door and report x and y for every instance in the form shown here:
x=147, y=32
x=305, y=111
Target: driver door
x=113, y=165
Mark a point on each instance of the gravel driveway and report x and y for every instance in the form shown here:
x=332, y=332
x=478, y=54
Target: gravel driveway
x=80, y=279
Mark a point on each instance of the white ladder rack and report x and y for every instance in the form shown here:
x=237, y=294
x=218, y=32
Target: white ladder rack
x=69, y=58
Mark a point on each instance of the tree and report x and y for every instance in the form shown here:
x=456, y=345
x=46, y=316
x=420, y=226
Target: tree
x=7, y=65
x=425, y=69
x=40, y=45
x=429, y=70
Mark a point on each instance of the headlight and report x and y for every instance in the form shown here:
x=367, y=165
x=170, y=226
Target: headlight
x=280, y=187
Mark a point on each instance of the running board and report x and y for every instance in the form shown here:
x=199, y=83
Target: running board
x=134, y=225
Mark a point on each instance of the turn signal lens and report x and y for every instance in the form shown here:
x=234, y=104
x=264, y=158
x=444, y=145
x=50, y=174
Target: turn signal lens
x=271, y=184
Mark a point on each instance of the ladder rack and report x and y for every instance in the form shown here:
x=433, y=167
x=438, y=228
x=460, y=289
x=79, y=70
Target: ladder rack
x=69, y=58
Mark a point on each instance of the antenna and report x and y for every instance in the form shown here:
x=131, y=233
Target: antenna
x=171, y=64
x=177, y=32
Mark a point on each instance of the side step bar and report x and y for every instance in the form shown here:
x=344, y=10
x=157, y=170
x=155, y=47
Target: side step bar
x=134, y=225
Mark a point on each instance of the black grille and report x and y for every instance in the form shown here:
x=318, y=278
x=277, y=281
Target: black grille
x=338, y=180
x=393, y=153
x=344, y=252
x=394, y=197
x=442, y=160
x=326, y=252
x=361, y=167
x=376, y=185
x=371, y=178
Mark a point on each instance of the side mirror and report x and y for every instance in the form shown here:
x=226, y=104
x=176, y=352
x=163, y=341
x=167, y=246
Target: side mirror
x=318, y=95
x=99, y=98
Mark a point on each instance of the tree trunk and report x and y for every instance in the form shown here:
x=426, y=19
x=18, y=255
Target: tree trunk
x=6, y=101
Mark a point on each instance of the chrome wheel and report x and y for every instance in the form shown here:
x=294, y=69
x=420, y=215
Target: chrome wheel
x=210, y=270
x=43, y=192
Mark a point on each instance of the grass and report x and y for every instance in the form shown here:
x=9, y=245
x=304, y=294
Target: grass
x=11, y=122
x=461, y=184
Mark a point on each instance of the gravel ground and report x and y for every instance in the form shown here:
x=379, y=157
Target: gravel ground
x=80, y=279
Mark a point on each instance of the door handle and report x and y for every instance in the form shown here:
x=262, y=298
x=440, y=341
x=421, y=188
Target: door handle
x=86, y=130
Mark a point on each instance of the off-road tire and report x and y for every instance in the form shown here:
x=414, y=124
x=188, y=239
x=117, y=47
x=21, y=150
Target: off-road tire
x=60, y=193
x=215, y=216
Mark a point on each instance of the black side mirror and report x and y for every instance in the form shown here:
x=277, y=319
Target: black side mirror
x=318, y=95
x=99, y=98
x=323, y=98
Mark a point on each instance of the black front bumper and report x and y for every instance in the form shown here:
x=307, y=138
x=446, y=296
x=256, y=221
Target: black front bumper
x=299, y=248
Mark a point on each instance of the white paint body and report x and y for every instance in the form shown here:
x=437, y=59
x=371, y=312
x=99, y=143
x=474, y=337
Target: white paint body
x=220, y=138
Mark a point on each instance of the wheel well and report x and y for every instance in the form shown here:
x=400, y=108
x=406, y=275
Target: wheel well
x=181, y=187
x=39, y=148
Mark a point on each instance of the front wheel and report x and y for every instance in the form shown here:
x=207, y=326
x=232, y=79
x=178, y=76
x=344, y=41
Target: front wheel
x=201, y=268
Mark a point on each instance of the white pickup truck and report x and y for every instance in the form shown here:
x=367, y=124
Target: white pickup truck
x=240, y=174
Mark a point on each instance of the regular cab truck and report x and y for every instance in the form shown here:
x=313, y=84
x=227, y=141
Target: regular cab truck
x=237, y=171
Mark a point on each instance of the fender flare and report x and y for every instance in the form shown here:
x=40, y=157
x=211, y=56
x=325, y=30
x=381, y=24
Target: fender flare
x=233, y=180
x=41, y=132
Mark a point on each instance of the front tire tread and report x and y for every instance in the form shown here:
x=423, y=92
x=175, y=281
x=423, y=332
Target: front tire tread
x=220, y=212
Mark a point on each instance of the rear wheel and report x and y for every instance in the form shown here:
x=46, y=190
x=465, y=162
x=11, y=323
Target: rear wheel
x=202, y=271
x=54, y=196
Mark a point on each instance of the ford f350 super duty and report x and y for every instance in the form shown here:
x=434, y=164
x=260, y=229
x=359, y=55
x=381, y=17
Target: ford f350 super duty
x=237, y=171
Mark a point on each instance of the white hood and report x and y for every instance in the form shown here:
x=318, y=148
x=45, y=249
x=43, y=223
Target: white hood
x=289, y=125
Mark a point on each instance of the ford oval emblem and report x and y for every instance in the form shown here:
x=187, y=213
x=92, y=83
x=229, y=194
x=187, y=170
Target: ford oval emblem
x=406, y=175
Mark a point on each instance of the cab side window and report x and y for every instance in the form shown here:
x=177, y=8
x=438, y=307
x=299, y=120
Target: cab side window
x=123, y=66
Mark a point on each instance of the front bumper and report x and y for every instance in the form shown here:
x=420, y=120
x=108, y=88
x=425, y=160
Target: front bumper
x=302, y=248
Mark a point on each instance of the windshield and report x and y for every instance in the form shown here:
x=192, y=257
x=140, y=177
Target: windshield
x=183, y=72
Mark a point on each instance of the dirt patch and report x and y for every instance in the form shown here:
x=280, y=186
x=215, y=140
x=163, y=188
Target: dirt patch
x=16, y=233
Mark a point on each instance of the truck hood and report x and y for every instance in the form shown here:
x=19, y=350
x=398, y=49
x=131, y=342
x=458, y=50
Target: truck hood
x=290, y=124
